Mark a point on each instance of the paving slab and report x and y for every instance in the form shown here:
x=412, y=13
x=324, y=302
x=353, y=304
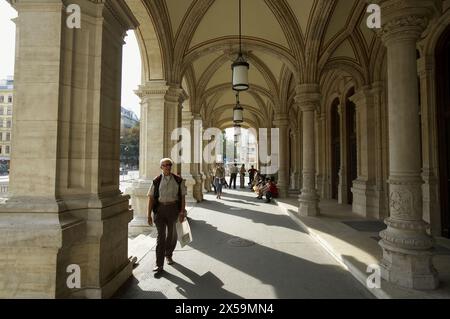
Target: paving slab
x=244, y=248
x=353, y=242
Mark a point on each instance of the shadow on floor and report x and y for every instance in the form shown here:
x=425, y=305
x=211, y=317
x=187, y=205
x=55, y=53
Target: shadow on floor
x=258, y=217
x=287, y=270
x=289, y=275
x=205, y=286
x=131, y=290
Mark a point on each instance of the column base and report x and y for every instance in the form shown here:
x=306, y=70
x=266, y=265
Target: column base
x=342, y=194
x=366, y=200
x=309, y=205
x=198, y=188
x=407, y=255
x=190, y=185
x=108, y=289
x=321, y=189
x=283, y=191
x=41, y=244
x=207, y=184
x=295, y=181
x=408, y=268
x=139, y=225
x=139, y=202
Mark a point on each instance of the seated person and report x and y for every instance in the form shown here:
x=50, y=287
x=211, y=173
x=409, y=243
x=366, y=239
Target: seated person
x=263, y=189
x=272, y=191
x=260, y=183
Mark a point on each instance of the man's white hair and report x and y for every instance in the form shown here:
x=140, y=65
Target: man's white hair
x=165, y=160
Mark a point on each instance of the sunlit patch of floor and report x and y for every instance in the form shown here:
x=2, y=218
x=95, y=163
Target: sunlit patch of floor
x=244, y=248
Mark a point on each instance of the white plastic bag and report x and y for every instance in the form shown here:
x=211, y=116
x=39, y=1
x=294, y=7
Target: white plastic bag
x=184, y=233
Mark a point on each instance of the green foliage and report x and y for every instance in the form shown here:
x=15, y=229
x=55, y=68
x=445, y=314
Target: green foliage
x=129, y=147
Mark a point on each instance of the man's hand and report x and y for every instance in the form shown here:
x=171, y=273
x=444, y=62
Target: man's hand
x=150, y=220
x=182, y=216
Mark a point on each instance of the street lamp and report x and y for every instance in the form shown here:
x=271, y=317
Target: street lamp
x=238, y=111
x=240, y=67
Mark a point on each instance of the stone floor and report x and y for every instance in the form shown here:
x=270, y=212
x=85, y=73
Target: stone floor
x=353, y=241
x=243, y=248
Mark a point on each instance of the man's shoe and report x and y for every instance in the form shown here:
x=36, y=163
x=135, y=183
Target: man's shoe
x=170, y=261
x=158, y=269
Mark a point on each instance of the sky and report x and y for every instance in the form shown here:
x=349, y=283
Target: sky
x=8, y=38
x=131, y=67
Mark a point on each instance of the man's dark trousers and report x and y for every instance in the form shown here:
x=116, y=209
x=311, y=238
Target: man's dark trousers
x=233, y=180
x=165, y=220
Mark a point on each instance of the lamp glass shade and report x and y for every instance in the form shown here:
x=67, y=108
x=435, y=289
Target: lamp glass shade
x=240, y=75
x=238, y=115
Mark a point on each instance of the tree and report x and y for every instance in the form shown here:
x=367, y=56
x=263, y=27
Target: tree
x=129, y=147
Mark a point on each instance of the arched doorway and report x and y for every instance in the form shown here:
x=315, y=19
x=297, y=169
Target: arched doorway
x=335, y=149
x=351, y=158
x=443, y=113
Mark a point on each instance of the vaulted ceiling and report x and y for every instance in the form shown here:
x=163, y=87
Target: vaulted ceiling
x=193, y=43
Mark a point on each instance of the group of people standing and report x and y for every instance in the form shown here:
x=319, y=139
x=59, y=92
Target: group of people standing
x=219, y=180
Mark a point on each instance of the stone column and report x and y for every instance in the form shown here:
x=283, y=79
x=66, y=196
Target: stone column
x=65, y=207
x=151, y=151
x=197, y=156
x=407, y=248
x=300, y=149
x=427, y=73
x=321, y=149
x=173, y=101
x=159, y=117
x=191, y=170
x=206, y=169
x=187, y=123
x=366, y=197
x=308, y=98
x=342, y=189
x=282, y=123
x=294, y=185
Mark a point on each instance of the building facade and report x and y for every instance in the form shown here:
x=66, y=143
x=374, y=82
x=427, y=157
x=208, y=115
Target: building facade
x=6, y=109
x=362, y=115
x=128, y=118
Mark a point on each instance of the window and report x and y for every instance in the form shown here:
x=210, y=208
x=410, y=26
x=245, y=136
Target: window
x=9, y=111
x=7, y=149
x=8, y=124
x=8, y=137
x=2, y=99
x=1, y=148
x=10, y=99
x=1, y=122
x=1, y=111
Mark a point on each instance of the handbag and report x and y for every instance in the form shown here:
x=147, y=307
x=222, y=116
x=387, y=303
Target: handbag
x=184, y=233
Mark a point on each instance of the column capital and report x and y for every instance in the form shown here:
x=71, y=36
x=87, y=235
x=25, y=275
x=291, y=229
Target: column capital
x=362, y=97
x=197, y=117
x=187, y=117
x=281, y=120
x=406, y=19
x=308, y=97
x=378, y=87
x=152, y=89
x=176, y=95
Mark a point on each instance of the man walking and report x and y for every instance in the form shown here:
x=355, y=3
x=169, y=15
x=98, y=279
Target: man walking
x=167, y=200
x=234, y=170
